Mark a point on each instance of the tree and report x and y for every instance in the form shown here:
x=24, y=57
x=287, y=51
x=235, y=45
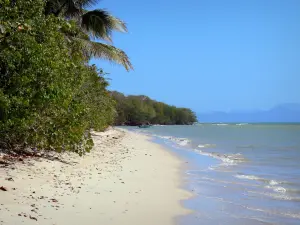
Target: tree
x=94, y=24
x=49, y=97
x=135, y=110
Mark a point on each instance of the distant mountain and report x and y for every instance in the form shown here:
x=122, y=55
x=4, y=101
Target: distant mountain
x=286, y=113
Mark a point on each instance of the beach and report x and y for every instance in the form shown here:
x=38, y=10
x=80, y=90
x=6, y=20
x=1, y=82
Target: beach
x=125, y=179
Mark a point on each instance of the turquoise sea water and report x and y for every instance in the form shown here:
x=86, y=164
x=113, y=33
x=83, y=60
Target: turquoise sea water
x=240, y=173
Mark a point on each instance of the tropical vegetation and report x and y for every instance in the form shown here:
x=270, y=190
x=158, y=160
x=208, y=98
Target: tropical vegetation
x=50, y=96
x=136, y=110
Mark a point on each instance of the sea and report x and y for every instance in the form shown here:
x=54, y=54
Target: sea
x=240, y=173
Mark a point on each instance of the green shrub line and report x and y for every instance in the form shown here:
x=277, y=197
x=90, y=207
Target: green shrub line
x=135, y=110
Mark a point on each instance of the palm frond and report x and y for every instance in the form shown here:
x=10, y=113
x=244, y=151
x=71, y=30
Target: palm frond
x=105, y=51
x=71, y=8
x=96, y=23
x=87, y=3
x=76, y=8
x=67, y=7
x=100, y=24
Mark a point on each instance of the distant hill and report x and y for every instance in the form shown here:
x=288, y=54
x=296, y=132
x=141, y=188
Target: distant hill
x=286, y=113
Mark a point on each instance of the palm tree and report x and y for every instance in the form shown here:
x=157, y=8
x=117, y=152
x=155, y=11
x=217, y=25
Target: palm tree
x=96, y=24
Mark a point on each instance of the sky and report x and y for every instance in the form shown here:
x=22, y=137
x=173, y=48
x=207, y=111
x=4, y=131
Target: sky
x=209, y=55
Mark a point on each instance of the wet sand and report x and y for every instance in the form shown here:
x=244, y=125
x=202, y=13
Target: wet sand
x=126, y=179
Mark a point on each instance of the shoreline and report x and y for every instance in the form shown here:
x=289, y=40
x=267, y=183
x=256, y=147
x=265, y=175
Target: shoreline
x=126, y=179
x=226, y=178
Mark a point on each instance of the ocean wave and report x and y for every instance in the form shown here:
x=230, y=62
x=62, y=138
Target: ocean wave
x=178, y=141
x=278, y=189
x=232, y=159
x=227, y=159
x=253, y=177
x=183, y=142
x=274, y=185
x=273, y=212
x=207, y=146
x=278, y=195
x=274, y=182
x=248, y=177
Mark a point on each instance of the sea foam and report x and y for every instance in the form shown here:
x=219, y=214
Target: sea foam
x=227, y=159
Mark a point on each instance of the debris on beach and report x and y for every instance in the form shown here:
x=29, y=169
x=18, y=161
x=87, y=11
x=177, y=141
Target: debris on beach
x=2, y=162
x=33, y=218
x=3, y=188
x=53, y=200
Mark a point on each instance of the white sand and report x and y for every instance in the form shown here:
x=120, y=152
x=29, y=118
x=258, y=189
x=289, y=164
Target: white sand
x=125, y=180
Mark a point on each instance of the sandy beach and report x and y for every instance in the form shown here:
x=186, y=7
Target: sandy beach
x=126, y=179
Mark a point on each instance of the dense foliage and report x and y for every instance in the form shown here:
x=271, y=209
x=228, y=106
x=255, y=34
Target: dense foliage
x=136, y=110
x=49, y=97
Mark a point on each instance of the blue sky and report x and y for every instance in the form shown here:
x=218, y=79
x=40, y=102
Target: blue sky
x=209, y=55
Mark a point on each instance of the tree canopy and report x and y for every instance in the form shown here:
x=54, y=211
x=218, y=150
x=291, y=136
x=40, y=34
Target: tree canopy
x=136, y=110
